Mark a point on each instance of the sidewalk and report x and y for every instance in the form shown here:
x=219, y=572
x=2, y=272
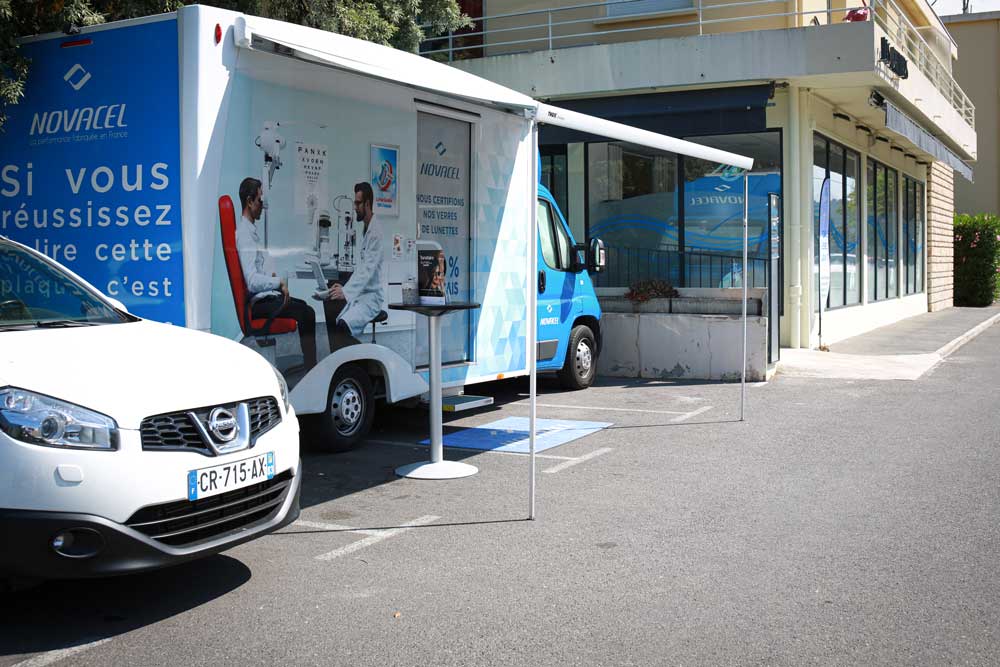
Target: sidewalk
x=901, y=351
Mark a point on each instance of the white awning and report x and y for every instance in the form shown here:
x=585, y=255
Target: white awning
x=374, y=60
x=408, y=69
x=606, y=128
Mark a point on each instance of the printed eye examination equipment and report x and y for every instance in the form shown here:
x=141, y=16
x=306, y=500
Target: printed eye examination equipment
x=271, y=143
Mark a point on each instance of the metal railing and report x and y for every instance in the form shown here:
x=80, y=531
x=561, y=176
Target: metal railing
x=690, y=268
x=573, y=25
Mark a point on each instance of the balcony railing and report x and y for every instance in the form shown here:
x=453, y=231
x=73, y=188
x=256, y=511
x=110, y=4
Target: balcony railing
x=612, y=21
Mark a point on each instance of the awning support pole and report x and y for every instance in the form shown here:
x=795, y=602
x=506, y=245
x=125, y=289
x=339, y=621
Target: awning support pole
x=746, y=275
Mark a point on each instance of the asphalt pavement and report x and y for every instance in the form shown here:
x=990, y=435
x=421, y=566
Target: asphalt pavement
x=844, y=522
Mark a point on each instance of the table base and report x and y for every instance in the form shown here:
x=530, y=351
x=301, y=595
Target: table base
x=439, y=470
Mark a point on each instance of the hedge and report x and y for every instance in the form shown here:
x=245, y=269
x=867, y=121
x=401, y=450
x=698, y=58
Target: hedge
x=977, y=259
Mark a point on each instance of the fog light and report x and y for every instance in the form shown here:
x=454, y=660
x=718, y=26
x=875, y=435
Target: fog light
x=78, y=543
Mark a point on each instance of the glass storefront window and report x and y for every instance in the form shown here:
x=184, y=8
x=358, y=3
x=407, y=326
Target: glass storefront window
x=912, y=256
x=840, y=164
x=871, y=275
x=713, y=211
x=891, y=227
x=921, y=226
x=852, y=232
x=632, y=204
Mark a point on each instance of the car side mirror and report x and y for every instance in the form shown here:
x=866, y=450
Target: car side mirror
x=597, y=259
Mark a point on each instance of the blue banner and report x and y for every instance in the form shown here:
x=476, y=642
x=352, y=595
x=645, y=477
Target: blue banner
x=89, y=163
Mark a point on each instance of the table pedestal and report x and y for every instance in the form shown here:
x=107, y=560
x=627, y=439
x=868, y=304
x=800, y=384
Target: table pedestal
x=437, y=467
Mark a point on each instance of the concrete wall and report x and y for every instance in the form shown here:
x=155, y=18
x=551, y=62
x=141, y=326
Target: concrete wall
x=940, y=237
x=978, y=72
x=690, y=347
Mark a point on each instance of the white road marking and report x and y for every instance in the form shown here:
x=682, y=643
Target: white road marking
x=50, y=657
x=591, y=407
x=580, y=459
x=337, y=528
x=379, y=537
x=693, y=413
x=396, y=443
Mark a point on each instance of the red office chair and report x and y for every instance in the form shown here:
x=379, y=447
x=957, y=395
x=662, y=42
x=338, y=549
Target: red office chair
x=260, y=328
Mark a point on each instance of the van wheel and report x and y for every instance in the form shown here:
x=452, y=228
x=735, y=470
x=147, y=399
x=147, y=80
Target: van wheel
x=580, y=366
x=350, y=410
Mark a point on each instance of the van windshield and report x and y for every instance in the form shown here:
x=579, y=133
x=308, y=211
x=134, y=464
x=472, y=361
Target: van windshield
x=35, y=293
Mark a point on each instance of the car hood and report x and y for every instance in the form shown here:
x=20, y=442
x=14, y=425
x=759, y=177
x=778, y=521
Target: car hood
x=133, y=370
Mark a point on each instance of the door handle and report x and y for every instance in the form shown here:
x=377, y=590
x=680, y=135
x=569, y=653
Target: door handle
x=541, y=281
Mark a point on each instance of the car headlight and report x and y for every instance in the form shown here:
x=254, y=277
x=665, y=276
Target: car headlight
x=43, y=420
x=283, y=388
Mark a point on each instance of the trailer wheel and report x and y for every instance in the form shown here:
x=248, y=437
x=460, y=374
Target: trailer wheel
x=350, y=409
x=580, y=365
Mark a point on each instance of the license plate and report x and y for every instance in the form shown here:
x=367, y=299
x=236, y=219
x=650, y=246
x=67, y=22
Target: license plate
x=208, y=482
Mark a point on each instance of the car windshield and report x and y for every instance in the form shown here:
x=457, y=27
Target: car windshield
x=36, y=293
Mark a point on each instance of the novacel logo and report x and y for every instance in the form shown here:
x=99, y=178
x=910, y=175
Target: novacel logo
x=81, y=119
x=71, y=76
x=386, y=177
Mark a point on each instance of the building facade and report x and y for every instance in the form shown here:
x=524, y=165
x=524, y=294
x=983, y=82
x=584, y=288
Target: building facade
x=978, y=36
x=863, y=97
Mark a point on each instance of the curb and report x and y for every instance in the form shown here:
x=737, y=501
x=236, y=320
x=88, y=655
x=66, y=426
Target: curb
x=950, y=347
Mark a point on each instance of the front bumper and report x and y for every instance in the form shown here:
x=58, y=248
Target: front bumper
x=27, y=538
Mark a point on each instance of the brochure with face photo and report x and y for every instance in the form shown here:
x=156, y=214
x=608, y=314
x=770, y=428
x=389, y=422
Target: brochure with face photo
x=430, y=273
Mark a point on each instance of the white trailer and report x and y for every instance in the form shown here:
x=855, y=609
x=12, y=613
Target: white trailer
x=149, y=135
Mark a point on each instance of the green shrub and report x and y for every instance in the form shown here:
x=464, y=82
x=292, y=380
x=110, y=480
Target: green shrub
x=977, y=259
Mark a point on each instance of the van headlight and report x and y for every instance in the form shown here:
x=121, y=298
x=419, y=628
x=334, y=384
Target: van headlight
x=43, y=420
x=283, y=388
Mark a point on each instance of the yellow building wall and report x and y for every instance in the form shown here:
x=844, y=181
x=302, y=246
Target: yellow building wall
x=978, y=72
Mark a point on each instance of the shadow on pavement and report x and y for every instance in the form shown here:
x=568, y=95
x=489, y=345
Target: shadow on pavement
x=63, y=614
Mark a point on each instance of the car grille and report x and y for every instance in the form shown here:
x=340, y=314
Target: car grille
x=186, y=522
x=175, y=431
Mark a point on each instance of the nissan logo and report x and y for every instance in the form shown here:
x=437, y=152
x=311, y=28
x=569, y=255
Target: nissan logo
x=222, y=424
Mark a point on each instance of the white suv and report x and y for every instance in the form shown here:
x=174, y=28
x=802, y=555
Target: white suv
x=125, y=444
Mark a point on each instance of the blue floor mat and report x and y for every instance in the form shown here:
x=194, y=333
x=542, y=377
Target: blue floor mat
x=511, y=434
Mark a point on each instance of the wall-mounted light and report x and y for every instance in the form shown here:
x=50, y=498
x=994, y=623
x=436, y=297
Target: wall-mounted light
x=863, y=128
x=910, y=155
x=897, y=148
x=922, y=162
x=883, y=139
x=841, y=116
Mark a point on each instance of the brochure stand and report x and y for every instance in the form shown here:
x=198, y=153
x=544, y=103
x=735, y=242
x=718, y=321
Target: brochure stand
x=437, y=467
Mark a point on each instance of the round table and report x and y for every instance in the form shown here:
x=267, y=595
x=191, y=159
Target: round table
x=436, y=467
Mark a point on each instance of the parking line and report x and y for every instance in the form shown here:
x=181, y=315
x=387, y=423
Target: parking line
x=591, y=407
x=50, y=657
x=689, y=415
x=379, y=537
x=580, y=459
x=337, y=528
x=396, y=443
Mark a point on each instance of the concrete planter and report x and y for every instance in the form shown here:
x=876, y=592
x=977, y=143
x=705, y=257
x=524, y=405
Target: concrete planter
x=695, y=336
x=675, y=346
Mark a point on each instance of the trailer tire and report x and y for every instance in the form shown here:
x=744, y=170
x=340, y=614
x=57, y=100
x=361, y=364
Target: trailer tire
x=350, y=410
x=580, y=365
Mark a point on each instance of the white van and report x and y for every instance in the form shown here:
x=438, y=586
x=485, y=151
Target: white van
x=125, y=444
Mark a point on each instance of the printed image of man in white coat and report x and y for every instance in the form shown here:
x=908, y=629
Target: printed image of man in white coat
x=363, y=292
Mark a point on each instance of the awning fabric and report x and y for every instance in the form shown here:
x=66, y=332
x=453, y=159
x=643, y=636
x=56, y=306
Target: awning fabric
x=900, y=123
x=377, y=61
x=414, y=71
x=683, y=113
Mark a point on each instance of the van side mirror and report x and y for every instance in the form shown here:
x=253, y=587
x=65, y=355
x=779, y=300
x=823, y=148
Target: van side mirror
x=597, y=259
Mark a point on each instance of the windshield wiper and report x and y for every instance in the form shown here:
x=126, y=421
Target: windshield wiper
x=58, y=324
